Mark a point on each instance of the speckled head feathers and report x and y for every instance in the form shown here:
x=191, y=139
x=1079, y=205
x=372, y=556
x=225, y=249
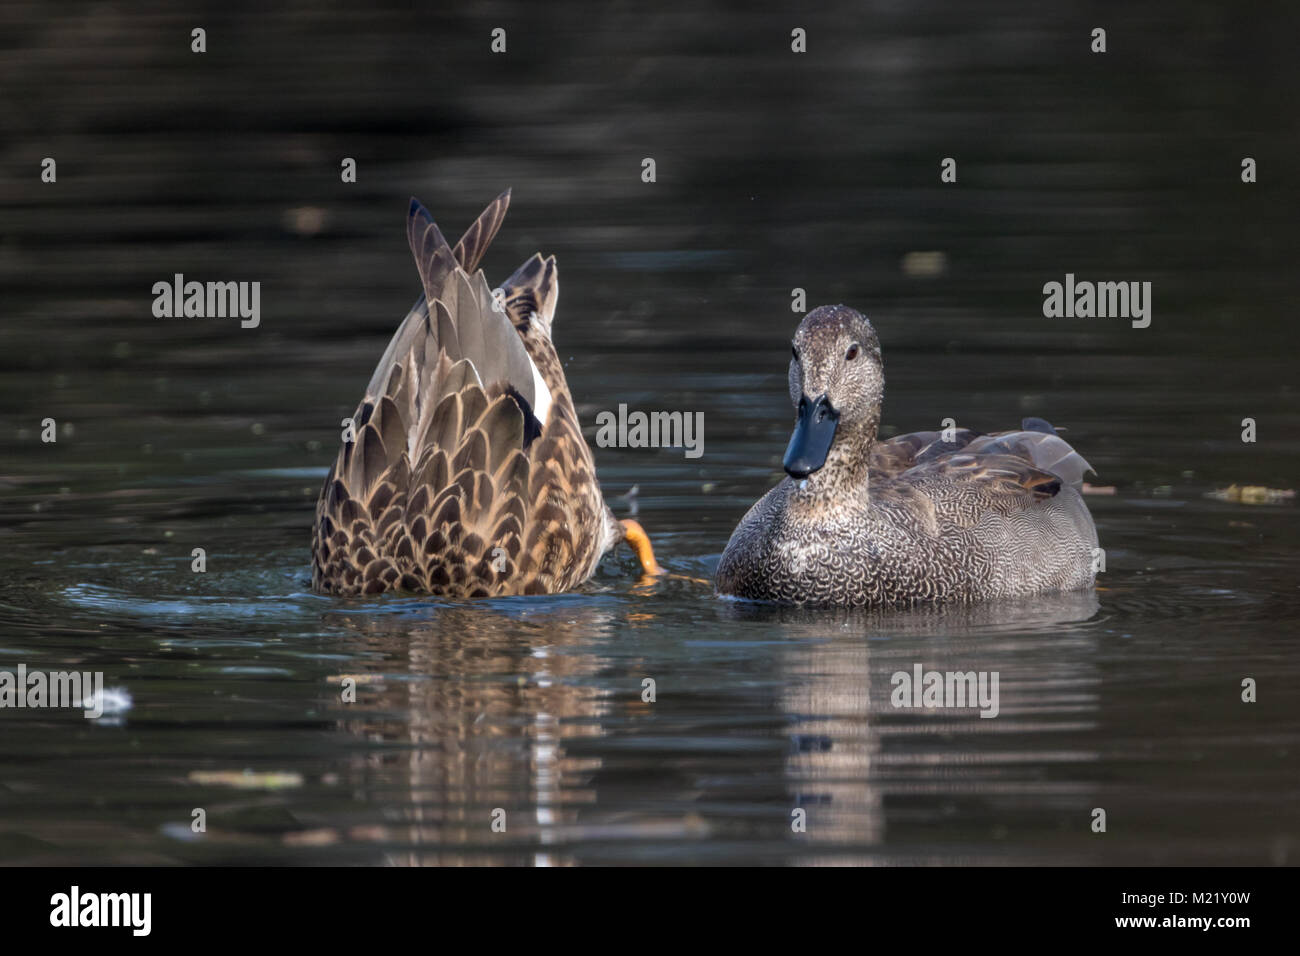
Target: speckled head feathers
x=836, y=353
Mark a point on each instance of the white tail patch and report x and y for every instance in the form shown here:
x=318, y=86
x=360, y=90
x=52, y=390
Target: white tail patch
x=542, y=406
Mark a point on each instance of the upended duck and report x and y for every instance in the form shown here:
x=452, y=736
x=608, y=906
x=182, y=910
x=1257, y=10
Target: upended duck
x=468, y=475
x=923, y=517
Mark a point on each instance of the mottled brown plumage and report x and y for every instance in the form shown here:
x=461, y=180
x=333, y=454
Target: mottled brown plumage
x=928, y=516
x=469, y=475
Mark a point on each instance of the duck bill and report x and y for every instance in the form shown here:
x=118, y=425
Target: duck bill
x=813, y=434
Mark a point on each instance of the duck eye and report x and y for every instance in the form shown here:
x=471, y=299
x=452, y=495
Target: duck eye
x=852, y=353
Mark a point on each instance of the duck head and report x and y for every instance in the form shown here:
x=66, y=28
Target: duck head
x=837, y=382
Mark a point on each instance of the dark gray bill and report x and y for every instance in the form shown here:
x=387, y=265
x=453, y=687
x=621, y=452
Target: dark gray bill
x=813, y=434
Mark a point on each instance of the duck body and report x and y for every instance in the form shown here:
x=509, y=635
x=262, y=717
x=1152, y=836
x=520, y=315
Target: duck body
x=925, y=517
x=917, y=538
x=468, y=475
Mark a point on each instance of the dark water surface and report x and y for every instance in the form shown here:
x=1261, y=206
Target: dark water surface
x=774, y=171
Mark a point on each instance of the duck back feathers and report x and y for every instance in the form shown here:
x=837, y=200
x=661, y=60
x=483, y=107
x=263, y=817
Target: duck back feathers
x=469, y=475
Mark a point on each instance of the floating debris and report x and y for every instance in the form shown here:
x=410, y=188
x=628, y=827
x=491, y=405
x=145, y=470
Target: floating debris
x=109, y=702
x=925, y=264
x=1253, y=494
x=247, y=779
x=305, y=220
x=1098, y=489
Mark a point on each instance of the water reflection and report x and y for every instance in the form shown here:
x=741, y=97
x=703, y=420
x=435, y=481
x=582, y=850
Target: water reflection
x=834, y=742
x=485, y=718
x=493, y=701
x=850, y=747
x=479, y=720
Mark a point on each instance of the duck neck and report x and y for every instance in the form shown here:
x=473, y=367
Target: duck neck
x=842, y=481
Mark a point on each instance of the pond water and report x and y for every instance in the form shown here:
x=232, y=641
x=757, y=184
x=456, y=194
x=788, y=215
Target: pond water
x=774, y=171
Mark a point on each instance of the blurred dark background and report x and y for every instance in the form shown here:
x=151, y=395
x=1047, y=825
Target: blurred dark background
x=775, y=171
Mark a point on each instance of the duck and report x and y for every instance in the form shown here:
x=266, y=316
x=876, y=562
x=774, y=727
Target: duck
x=927, y=517
x=463, y=472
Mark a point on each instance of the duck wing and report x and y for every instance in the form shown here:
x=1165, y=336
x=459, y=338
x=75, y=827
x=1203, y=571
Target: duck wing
x=1038, y=443
x=893, y=457
x=1005, y=472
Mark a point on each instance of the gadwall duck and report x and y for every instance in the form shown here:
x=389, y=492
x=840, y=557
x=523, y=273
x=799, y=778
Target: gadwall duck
x=468, y=475
x=929, y=516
